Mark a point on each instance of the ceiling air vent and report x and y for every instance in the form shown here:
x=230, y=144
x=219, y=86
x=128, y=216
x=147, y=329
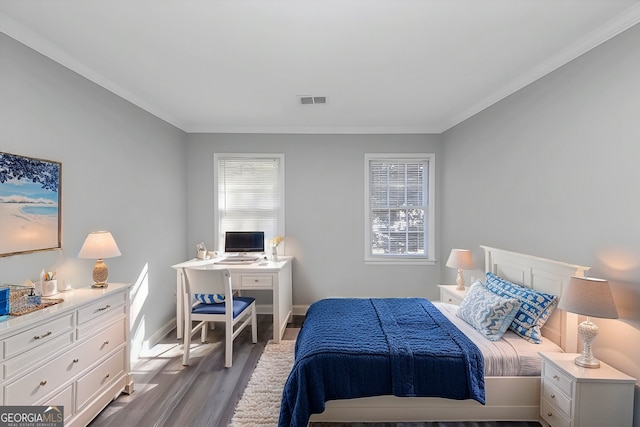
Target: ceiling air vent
x=308, y=99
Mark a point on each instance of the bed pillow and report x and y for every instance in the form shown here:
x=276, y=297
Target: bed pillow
x=209, y=298
x=487, y=312
x=535, y=307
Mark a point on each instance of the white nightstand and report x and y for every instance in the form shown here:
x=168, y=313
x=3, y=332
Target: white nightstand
x=449, y=293
x=572, y=396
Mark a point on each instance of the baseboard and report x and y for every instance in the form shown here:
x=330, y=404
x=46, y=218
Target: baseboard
x=300, y=310
x=140, y=347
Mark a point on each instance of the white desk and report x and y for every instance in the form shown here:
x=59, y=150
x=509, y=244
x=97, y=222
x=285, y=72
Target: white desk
x=260, y=275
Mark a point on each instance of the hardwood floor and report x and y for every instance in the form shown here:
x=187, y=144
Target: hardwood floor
x=168, y=394
x=202, y=394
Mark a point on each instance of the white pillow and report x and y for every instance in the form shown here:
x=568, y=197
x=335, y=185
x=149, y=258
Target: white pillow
x=487, y=312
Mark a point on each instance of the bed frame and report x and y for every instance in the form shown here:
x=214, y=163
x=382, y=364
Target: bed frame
x=507, y=398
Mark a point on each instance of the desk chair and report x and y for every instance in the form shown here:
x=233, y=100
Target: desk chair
x=232, y=311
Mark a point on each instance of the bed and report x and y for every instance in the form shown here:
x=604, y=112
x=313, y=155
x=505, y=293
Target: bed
x=506, y=397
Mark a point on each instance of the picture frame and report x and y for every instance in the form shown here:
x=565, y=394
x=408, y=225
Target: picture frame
x=30, y=204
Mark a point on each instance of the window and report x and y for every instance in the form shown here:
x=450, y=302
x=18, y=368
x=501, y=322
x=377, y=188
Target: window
x=249, y=194
x=399, y=211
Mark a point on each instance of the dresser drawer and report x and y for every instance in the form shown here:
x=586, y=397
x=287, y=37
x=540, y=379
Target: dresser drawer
x=256, y=281
x=558, y=379
x=42, y=381
x=62, y=399
x=98, y=346
x=558, y=399
x=31, y=358
x=103, y=374
x=553, y=415
x=102, y=307
x=89, y=328
x=37, y=335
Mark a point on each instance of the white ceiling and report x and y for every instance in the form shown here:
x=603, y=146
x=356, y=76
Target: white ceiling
x=385, y=66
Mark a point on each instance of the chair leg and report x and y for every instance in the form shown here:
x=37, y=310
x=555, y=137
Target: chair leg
x=203, y=337
x=254, y=325
x=186, y=334
x=228, y=344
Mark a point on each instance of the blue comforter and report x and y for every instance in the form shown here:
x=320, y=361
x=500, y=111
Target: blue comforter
x=350, y=348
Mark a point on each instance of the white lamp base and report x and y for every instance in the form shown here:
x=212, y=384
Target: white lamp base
x=460, y=280
x=587, y=331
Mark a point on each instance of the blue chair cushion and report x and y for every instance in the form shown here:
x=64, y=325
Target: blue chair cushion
x=239, y=305
x=209, y=298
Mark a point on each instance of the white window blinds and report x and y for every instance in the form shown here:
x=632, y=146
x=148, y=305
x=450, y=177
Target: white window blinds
x=399, y=219
x=250, y=195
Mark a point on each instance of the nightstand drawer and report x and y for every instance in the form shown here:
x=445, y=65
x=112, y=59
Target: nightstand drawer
x=553, y=415
x=558, y=379
x=555, y=397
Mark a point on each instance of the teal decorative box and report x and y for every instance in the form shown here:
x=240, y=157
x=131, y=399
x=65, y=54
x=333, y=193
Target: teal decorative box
x=4, y=300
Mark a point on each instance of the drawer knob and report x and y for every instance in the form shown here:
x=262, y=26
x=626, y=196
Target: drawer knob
x=76, y=360
x=107, y=376
x=43, y=382
x=37, y=337
x=549, y=414
x=555, y=377
x=553, y=396
x=104, y=308
x=106, y=342
x=255, y=280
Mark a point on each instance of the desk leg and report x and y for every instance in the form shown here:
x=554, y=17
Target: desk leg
x=179, y=319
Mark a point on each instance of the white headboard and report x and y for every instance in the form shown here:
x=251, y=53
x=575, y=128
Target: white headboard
x=544, y=275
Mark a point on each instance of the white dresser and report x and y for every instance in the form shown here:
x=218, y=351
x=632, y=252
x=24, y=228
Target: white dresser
x=572, y=396
x=73, y=354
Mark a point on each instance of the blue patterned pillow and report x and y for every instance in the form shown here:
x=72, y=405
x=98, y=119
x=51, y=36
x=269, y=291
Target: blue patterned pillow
x=535, y=307
x=487, y=312
x=209, y=298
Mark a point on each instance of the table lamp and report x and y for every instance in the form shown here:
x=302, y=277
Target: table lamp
x=460, y=259
x=592, y=298
x=99, y=245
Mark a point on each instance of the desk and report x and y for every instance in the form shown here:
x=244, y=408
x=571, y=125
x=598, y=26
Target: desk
x=260, y=275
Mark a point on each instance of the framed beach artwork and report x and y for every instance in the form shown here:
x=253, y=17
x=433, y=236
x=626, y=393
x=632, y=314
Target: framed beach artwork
x=30, y=204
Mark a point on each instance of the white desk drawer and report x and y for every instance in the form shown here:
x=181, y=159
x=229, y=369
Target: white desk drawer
x=256, y=281
x=558, y=379
x=556, y=398
x=38, y=335
x=100, y=308
x=103, y=374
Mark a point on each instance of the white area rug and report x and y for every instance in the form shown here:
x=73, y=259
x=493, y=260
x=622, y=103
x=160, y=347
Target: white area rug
x=260, y=402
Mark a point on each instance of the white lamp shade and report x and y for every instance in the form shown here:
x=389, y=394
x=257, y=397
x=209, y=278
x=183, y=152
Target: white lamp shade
x=460, y=258
x=99, y=245
x=589, y=297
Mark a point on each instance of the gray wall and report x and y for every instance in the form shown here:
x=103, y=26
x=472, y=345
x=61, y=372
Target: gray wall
x=324, y=182
x=123, y=170
x=553, y=171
